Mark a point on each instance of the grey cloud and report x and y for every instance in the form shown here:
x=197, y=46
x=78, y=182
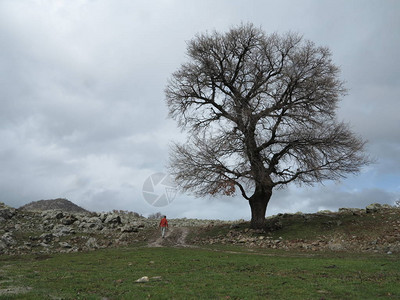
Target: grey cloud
x=331, y=197
x=82, y=107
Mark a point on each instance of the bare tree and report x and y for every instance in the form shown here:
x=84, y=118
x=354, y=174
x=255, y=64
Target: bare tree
x=259, y=111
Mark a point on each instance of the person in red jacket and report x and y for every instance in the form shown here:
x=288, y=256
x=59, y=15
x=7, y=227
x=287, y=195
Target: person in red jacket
x=163, y=225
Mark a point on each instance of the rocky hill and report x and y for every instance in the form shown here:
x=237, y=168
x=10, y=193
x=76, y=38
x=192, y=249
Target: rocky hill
x=375, y=229
x=58, y=204
x=50, y=231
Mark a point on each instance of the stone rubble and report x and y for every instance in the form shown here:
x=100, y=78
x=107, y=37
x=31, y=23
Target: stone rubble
x=388, y=242
x=52, y=231
x=55, y=231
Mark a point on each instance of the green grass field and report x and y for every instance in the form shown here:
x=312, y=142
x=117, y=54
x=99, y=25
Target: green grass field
x=191, y=273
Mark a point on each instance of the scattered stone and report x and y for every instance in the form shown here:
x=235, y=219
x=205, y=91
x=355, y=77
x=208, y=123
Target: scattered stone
x=45, y=230
x=69, y=220
x=2, y=245
x=6, y=212
x=52, y=215
x=351, y=211
x=47, y=237
x=138, y=224
x=61, y=230
x=92, y=243
x=8, y=239
x=143, y=279
x=129, y=228
x=65, y=245
x=93, y=223
x=335, y=247
x=94, y=220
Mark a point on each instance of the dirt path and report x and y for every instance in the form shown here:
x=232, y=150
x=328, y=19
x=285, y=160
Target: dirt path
x=174, y=237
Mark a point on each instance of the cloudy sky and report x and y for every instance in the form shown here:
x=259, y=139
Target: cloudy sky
x=83, y=116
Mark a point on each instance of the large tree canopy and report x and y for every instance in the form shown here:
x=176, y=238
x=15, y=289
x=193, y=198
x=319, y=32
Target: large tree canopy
x=260, y=112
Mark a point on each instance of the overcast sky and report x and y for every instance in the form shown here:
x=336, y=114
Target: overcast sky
x=83, y=115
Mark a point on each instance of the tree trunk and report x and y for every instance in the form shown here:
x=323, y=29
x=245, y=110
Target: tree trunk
x=258, y=204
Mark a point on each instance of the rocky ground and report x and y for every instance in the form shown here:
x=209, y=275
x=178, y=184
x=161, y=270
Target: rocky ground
x=374, y=229
x=54, y=231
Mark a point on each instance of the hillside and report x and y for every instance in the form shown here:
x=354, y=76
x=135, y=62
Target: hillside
x=53, y=204
x=375, y=229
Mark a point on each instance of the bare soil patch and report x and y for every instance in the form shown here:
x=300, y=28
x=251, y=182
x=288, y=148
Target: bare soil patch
x=174, y=237
x=15, y=290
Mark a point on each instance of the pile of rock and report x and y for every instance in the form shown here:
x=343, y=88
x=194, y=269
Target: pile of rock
x=388, y=244
x=57, y=231
x=377, y=207
x=6, y=212
x=23, y=231
x=184, y=222
x=334, y=240
x=50, y=231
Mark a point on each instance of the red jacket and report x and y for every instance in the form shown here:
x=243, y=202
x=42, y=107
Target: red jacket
x=164, y=222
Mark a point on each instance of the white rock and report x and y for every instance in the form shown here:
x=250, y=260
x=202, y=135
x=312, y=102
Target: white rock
x=8, y=239
x=65, y=245
x=143, y=279
x=113, y=219
x=92, y=243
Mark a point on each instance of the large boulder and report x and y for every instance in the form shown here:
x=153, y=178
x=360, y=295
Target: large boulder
x=69, y=220
x=103, y=216
x=374, y=207
x=8, y=239
x=61, y=230
x=350, y=211
x=65, y=245
x=6, y=212
x=113, y=219
x=93, y=223
x=325, y=212
x=52, y=215
x=129, y=228
x=138, y=224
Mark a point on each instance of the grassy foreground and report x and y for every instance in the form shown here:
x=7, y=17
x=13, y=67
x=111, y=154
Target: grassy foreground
x=188, y=273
